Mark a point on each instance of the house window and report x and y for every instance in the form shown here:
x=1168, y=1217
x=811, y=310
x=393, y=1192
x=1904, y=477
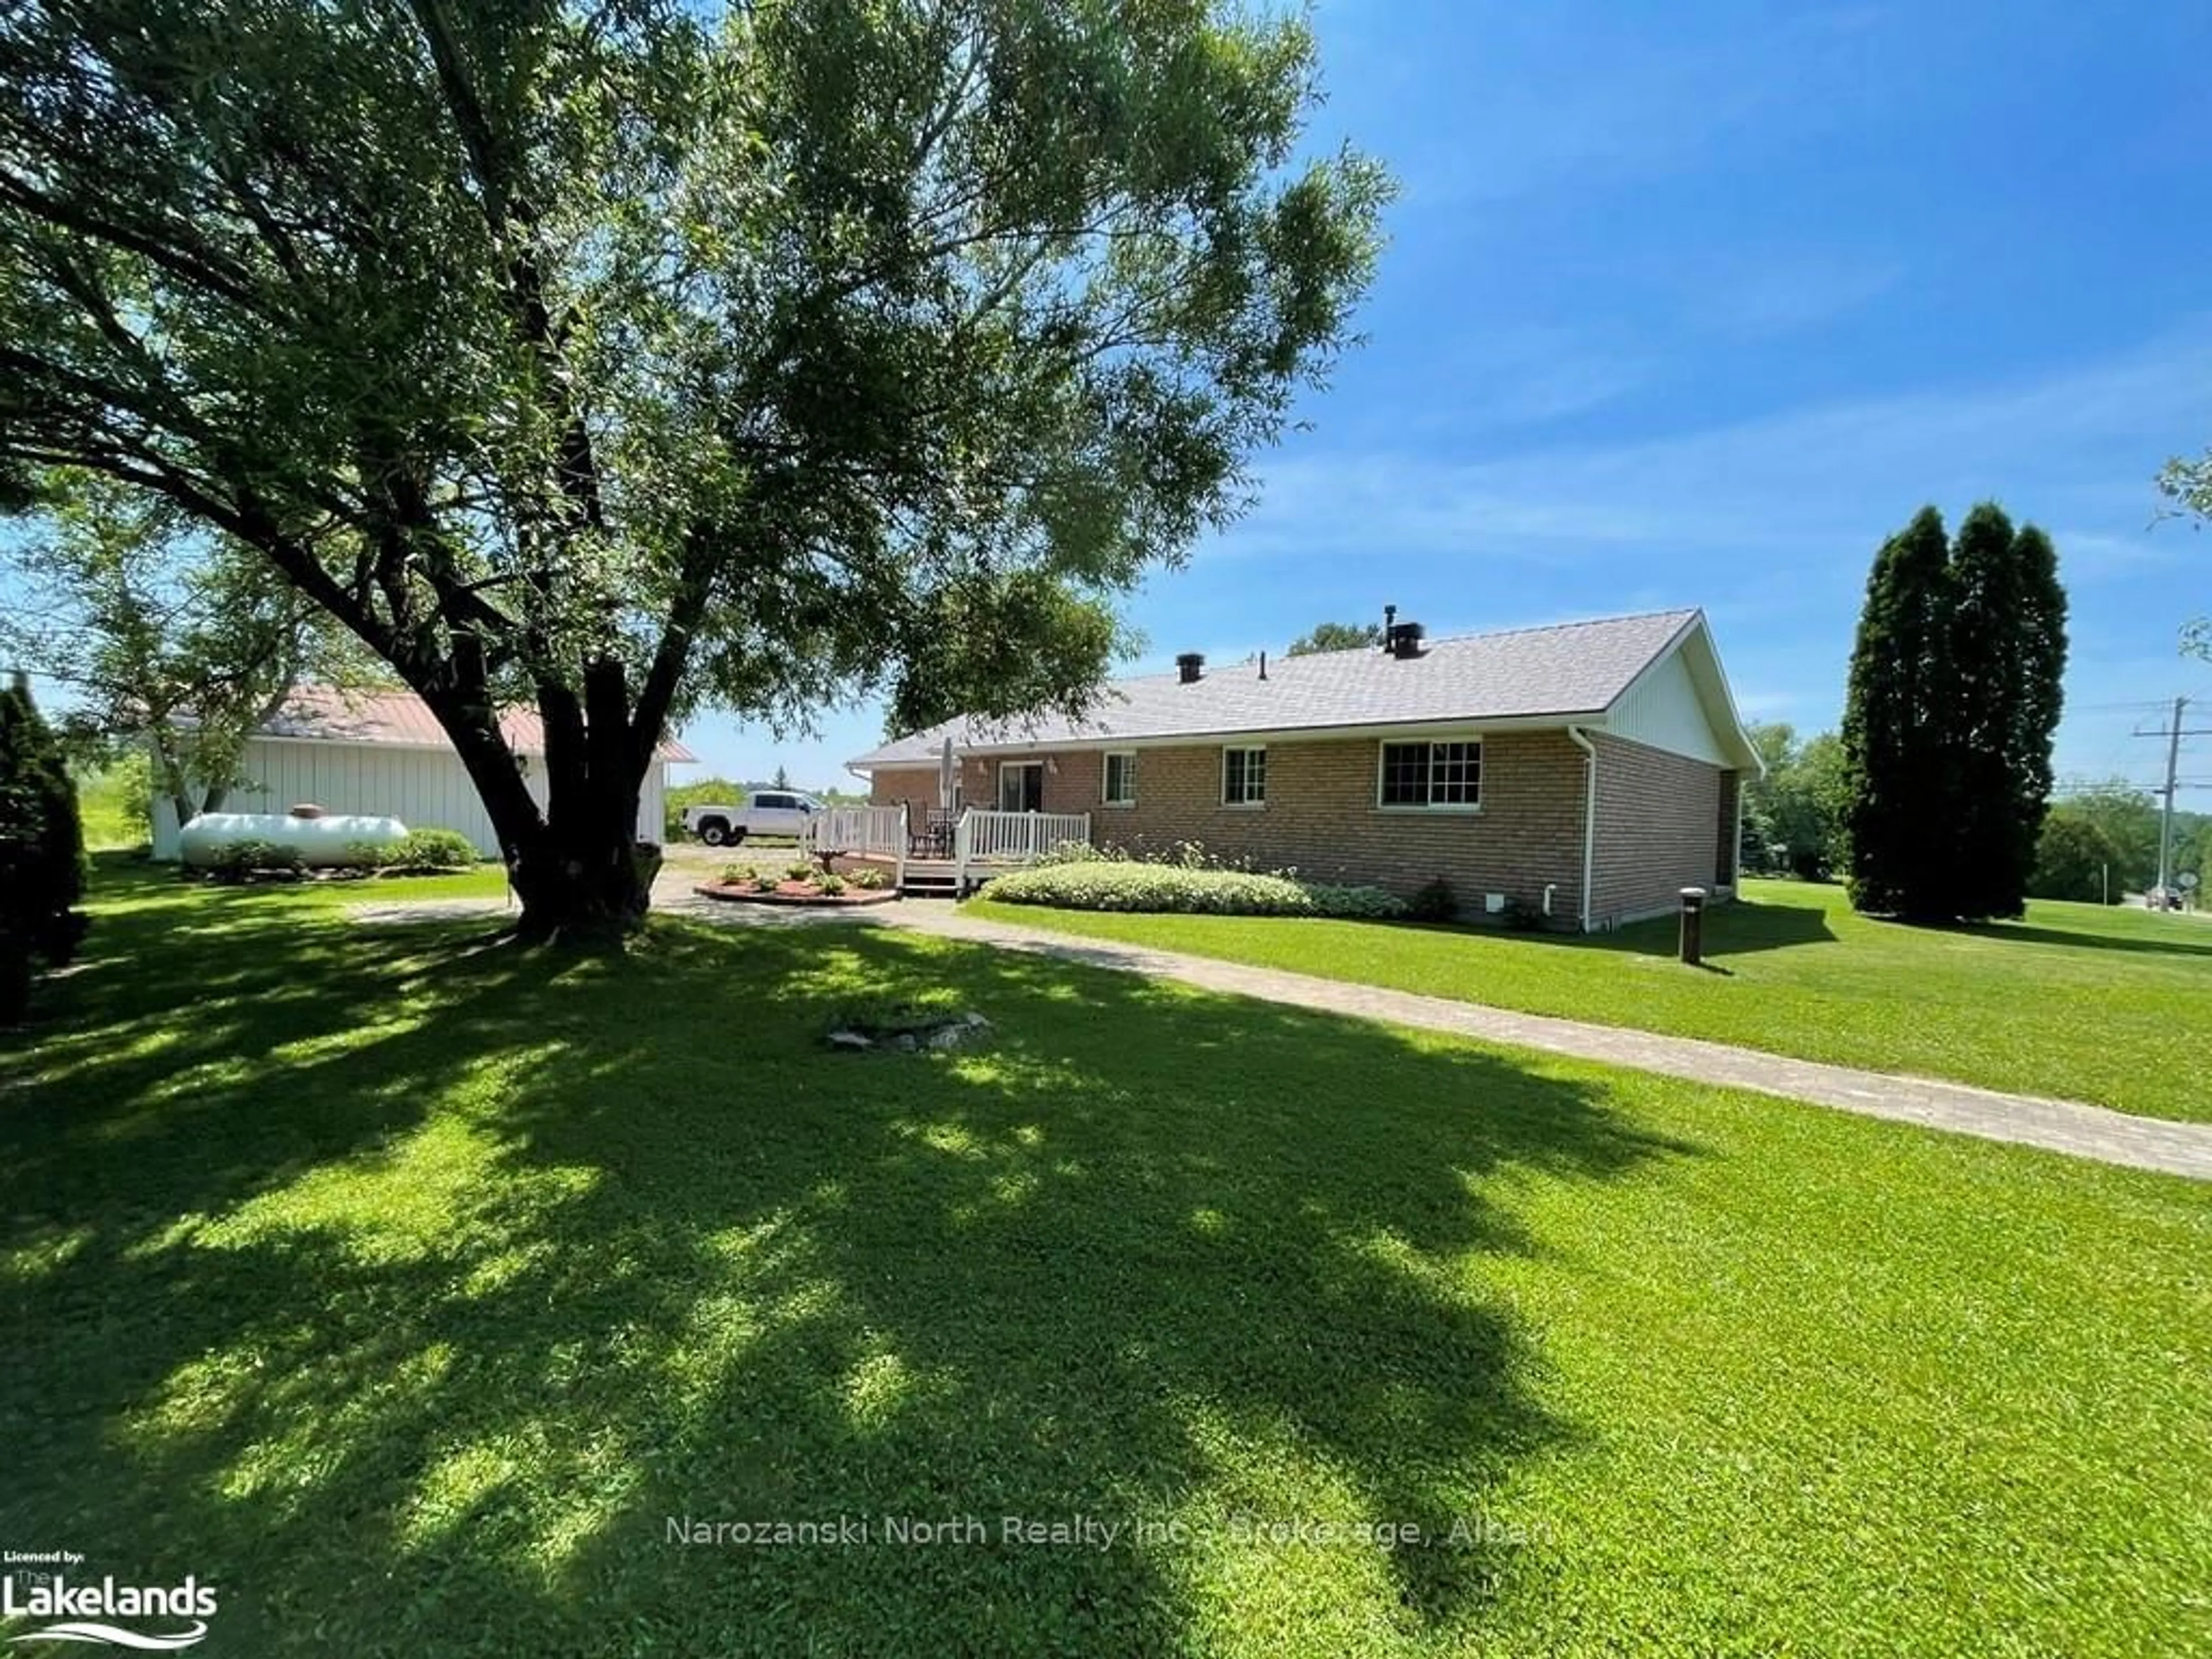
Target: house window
x=1119, y=785
x=1243, y=777
x=1431, y=775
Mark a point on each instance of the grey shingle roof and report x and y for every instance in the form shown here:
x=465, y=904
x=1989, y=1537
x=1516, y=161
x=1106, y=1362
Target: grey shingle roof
x=1530, y=673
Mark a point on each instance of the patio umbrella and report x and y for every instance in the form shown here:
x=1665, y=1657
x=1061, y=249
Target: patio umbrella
x=944, y=776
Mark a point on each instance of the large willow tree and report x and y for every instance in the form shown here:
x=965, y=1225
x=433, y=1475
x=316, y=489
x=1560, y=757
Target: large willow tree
x=621, y=358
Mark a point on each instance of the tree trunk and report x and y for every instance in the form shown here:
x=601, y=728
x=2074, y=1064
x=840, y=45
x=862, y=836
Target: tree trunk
x=574, y=867
x=580, y=888
x=171, y=775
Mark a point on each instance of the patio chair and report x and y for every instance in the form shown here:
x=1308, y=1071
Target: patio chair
x=934, y=839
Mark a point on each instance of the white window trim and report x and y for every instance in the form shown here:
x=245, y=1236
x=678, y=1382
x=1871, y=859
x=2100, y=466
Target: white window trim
x=1106, y=760
x=1229, y=805
x=1430, y=809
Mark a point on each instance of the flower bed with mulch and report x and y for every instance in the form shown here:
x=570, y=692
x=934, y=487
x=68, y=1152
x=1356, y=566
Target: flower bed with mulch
x=793, y=892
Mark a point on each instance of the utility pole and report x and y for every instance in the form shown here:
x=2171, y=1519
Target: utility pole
x=2173, y=734
x=2165, y=817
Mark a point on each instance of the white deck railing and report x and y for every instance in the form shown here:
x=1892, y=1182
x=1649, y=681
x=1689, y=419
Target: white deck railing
x=868, y=831
x=999, y=838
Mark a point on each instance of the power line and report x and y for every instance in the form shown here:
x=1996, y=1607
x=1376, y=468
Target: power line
x=2111, y=746
x=2134, y=708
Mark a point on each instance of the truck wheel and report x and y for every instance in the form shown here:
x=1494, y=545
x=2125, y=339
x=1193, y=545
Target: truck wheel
x=714, y=832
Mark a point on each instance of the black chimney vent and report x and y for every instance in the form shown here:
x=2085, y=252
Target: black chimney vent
x=1190, y=666
x=1404, y=640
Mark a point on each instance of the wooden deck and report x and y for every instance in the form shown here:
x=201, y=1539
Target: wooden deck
x=935, y=866
x=982, y=844
x=937, y=877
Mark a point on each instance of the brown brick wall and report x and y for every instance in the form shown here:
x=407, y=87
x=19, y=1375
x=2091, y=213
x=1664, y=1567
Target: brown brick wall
x=1727, y=850
x=916, y=787
x=1657, y=821
x=1071, y=781
x=1664, y=822
x=1321, y=818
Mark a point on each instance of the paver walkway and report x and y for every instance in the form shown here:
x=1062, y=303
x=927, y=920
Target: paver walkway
x=2060, y=1126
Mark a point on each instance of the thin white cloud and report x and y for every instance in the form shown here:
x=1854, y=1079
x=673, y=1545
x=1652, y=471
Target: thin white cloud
x=1554, y=102
x=1523, y=375
x=1757, y=295
x=2094, y=556
x=1760, y=703
x=2076, y=447
x=1769, y=523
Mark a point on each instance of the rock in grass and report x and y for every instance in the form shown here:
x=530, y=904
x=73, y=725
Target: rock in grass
x=908, y=1031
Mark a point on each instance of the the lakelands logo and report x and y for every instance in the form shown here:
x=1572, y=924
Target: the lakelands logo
x=83, y=1612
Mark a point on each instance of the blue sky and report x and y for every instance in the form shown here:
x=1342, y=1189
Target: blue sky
x=1694, y=304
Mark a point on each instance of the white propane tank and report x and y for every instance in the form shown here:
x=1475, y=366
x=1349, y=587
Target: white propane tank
x=322, y=843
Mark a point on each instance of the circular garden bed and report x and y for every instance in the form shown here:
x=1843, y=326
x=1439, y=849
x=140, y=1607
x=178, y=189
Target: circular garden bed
x=794, y=892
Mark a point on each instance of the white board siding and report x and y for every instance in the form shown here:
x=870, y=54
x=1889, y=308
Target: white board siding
x=1663, y=710
x=651, y=803
x=423, y=788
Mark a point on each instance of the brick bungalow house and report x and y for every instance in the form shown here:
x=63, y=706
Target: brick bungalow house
x=1587, y=772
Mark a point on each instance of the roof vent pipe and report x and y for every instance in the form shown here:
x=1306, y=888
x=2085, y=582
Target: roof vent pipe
x=1190, y=667
x=1390, y=624
x=1263, y=664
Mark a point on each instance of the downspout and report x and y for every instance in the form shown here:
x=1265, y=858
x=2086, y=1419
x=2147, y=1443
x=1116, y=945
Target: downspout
x=1581, y=739
x=1735, y=847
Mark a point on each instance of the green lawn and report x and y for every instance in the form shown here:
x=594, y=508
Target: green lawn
x=106, y=810
x=402, y=1287
x=2076, y=1001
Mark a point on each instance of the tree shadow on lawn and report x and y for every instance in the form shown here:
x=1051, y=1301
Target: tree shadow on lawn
x=413, y=1332
x=2027, y=933
x=1738, y=929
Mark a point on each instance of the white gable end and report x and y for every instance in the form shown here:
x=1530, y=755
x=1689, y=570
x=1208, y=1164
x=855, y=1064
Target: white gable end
x=1664, y=710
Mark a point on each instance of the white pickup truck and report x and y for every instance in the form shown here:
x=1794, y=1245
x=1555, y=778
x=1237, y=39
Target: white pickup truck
x=769, y=812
